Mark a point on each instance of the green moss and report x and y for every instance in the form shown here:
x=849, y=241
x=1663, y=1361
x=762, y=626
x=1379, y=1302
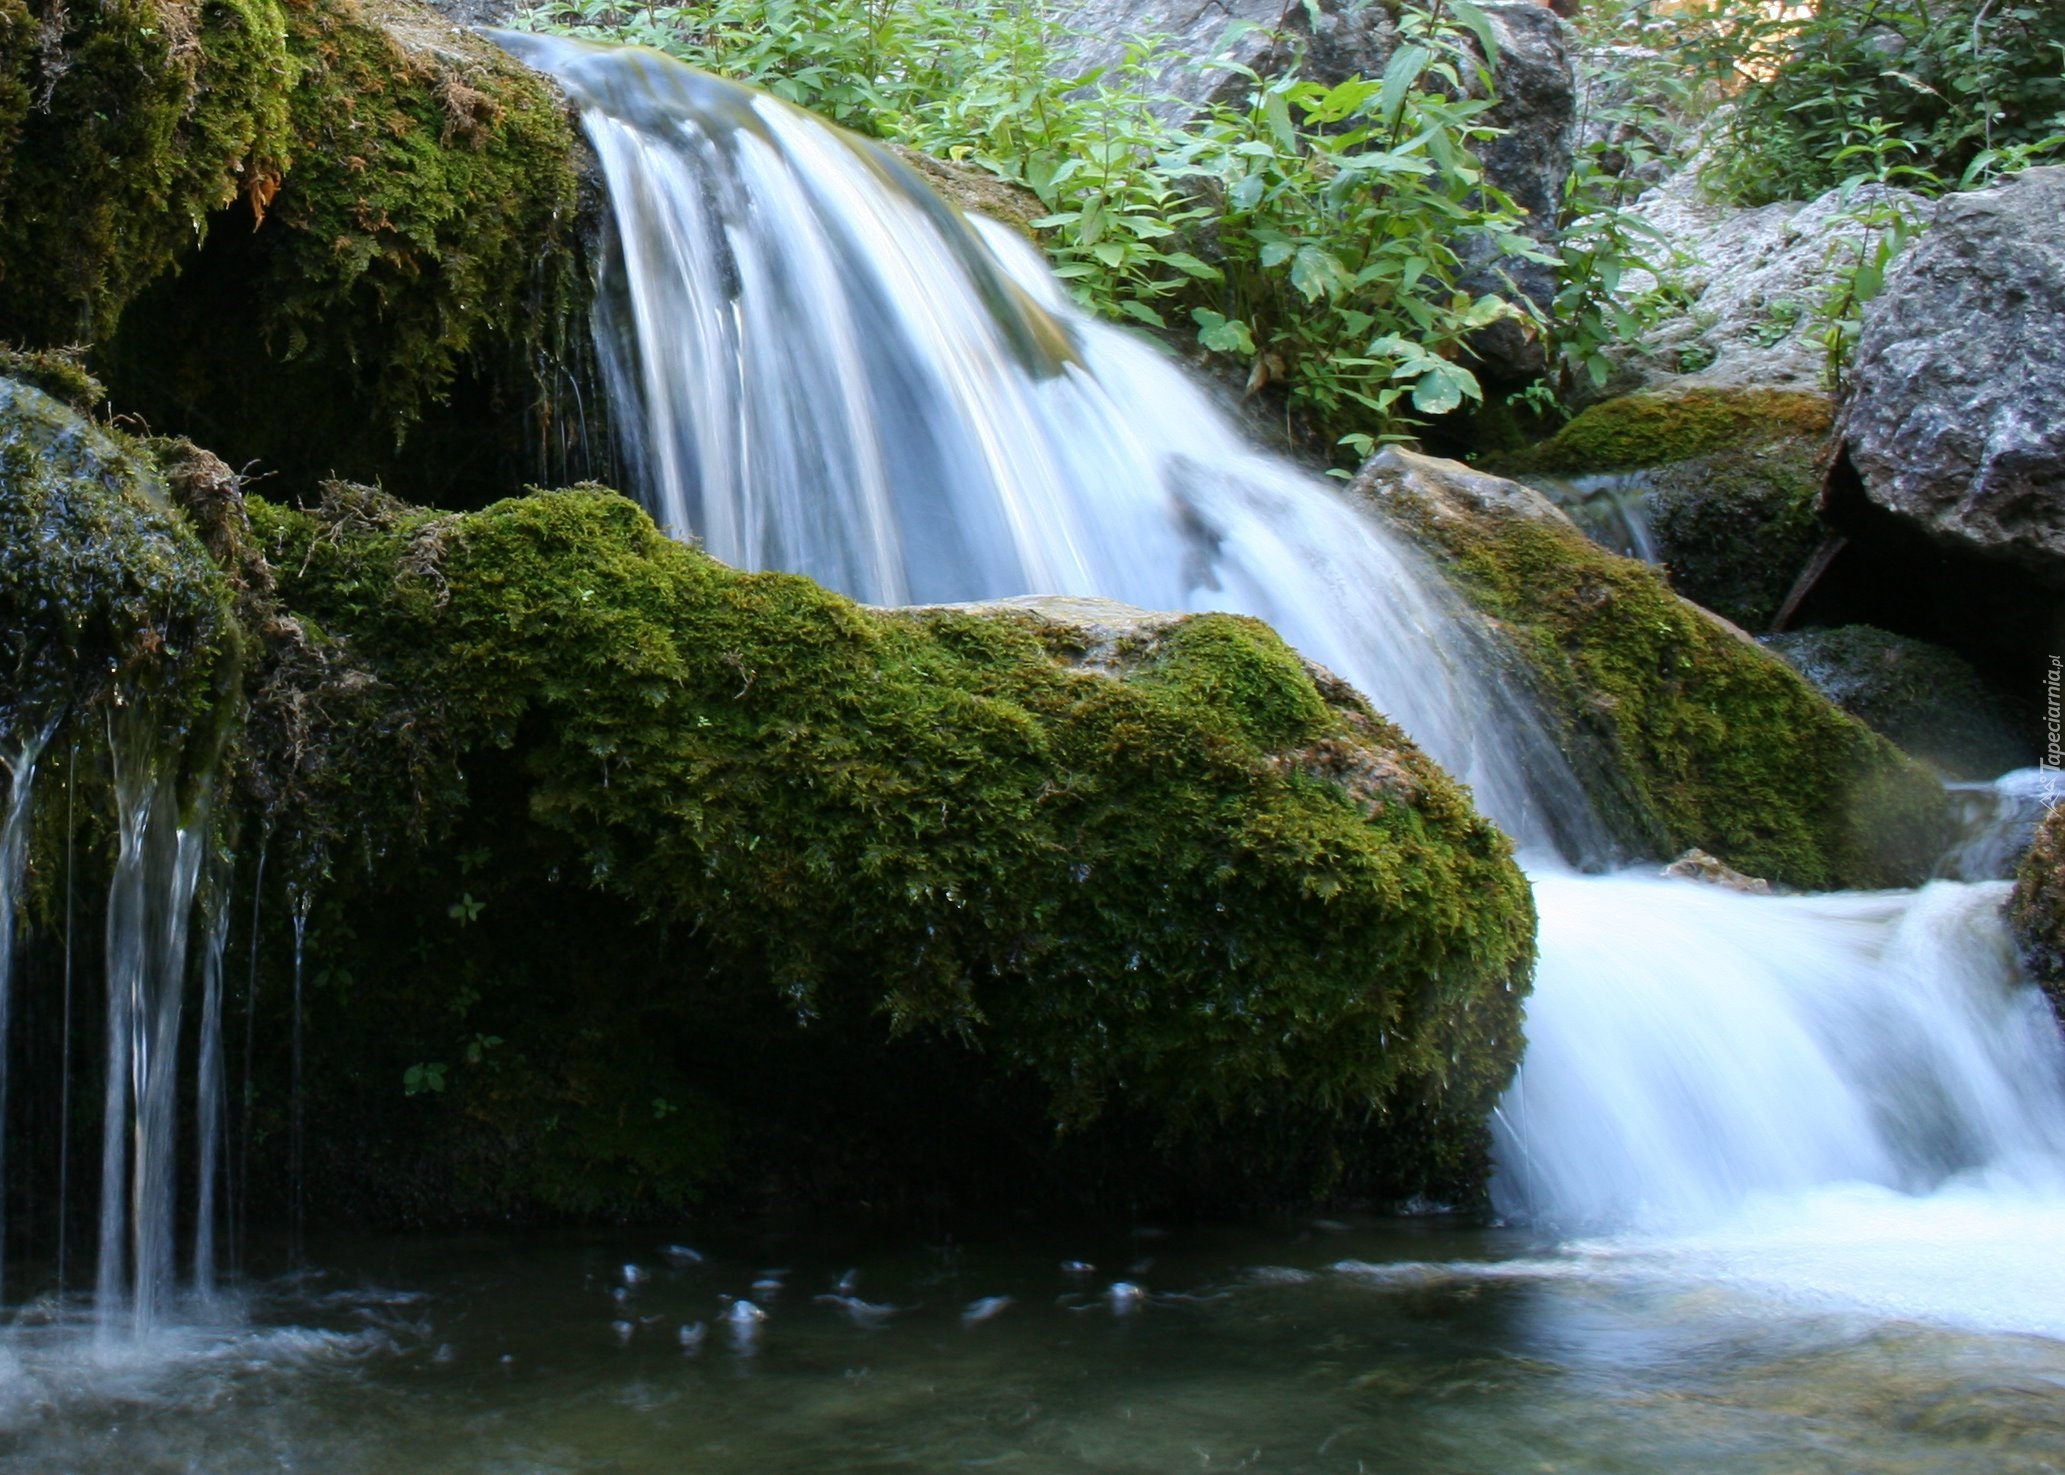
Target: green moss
x=1707, y=740
x=2037, y=910
x=292, y=223
x=145, y=116
x=108, y=598
x=58, y=372
x=1189, y=893
x=1926, y=699
x=429, y=208
x=1653, y=429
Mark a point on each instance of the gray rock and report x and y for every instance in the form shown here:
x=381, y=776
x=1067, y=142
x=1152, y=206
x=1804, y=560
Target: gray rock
x=1925, y=698
x=1956, y=423
x=1755, y=279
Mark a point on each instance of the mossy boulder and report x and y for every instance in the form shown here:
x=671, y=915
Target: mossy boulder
x=675, y=879
x=292, y=227
x=2037, y=909
x=1927, y=699
x=1730, y=482
x=1691, y=734
x=109, y=604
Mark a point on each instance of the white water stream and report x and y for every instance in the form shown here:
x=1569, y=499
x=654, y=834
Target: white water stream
x=820, y=367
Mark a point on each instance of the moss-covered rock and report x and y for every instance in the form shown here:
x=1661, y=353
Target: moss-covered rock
x=1652, y=429
x=1927, y=699
x=1695, y=736
x=1730, y=483
x=670, y=870
x=2037, y=910
x=106, y=592
x=129, y=123
x=289, y=227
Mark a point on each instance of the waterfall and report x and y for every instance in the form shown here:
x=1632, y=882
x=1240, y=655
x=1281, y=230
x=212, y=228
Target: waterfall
x=823, y=368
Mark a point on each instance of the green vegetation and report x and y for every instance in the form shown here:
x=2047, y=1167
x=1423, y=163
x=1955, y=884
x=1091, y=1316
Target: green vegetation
x=125, y=126
x=1696, y=736
x=1956, y=91
x=655, y=826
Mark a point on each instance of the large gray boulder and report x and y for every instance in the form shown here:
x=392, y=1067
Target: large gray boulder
x=1956, y=423
x=1533, y=75
x=1754, y=280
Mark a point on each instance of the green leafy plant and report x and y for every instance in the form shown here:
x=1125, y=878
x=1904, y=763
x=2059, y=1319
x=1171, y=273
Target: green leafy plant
x=1972, y=88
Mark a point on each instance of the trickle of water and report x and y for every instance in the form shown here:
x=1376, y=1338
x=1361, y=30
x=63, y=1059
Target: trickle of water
x=303, y=900
x=64, y=1064
x=244, y=1095
x=1995, y=822
x=20, y=764
x=1609, y=507
x=210, y=1103
x=150, y=903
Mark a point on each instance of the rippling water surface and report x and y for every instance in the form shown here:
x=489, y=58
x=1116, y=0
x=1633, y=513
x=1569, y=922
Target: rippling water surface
x=1383, y=1346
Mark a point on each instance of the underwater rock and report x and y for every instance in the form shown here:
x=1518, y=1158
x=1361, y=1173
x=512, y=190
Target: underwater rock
x=1688, y=733
x=1697, y=865
x=1925, y=698
x=1730, y=483
x=1956, y=419
x=764, y=878
x=2037, y=909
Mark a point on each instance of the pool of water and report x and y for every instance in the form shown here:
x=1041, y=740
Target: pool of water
x=1407, y=1345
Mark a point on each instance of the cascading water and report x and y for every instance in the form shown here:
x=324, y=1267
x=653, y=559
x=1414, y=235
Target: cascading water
x=823, y=368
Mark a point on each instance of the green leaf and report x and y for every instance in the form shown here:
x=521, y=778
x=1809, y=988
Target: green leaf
x=1222, y=334
x=1443, y=387
x=1190, y=266
x=1142, y=312
x=1316, y=274
x=1277, y=114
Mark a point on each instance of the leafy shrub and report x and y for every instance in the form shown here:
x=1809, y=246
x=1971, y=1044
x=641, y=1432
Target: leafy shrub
x=1965, y=89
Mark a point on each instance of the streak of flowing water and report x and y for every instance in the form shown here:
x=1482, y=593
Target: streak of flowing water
x=150, y=904
x=822, y=368
x=210, y=1098
x=14, y=858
